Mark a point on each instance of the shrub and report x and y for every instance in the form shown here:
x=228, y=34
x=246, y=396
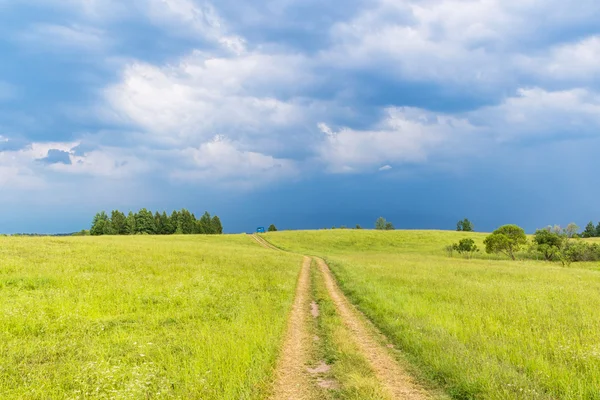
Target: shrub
x=465, y=246
x=507, y=239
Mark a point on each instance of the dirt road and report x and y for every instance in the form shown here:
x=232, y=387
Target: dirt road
x=292, y=382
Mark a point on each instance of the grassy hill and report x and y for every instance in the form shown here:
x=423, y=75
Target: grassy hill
x=482, y=328
x=141, y=317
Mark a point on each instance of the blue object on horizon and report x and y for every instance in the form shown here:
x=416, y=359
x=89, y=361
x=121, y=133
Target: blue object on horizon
x=260, y=230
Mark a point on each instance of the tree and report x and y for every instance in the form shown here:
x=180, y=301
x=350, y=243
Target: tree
x=465, y=225
x=205, y=224
x=389, y=226
x=130, y=220
x=571, y=230
x=185, y=222
x=549, y=243
x=217, y=227
x=272, y=228
x=598, y=230
x=589, y=231
x=119, y=222
x=99, y=224
x=145, y=223
x=358, y=226
x=507, y=239
x=465, y=246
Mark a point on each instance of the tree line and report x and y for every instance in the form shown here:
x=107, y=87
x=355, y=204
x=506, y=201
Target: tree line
x=591, y=230
x=552, y=243
x=144, y=222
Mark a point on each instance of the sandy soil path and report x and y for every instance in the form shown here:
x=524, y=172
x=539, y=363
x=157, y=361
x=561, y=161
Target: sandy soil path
x=291, y=379
x=392, y=376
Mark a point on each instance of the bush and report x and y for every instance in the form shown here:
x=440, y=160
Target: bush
x=549, y=244
x=465, y=246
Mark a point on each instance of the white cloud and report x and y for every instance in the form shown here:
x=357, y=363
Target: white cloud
x=578, y=61
x=410, y=135
x=201, y=96
x=385, y=168
x=221, y=160
x=405, y=135
x=465, y=42
x=194, y=19
x=536, y=112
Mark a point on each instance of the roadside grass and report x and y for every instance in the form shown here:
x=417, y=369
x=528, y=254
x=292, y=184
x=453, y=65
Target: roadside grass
x=196, y=317
x=482, y=329
x=335, y=347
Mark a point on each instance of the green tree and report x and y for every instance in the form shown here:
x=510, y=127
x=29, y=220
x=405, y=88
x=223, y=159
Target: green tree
x=99, y=224
x=272, y=228
x=358, y=226
x=159, y=224
x=131, y=229
x=589, y=231
x=186, y=222
x=176, y=223
x=380, y=223
x=465, y=246
x=549, y=243
x=145, y=223
x=165, y=224
x=119, y=222
x=217, y=227
x=205, y=224
x=389, y=226
x=507, y=239
x=464, y=225
x=598, y=230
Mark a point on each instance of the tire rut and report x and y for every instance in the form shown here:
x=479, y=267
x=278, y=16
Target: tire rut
x=391, y=375
x=291, y=380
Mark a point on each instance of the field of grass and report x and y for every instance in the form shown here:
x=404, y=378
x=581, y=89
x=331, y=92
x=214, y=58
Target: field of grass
x=194, y=317
x=480, y=328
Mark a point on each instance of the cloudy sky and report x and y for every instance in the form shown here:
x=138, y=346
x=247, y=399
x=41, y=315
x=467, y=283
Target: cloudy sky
x=302, y=113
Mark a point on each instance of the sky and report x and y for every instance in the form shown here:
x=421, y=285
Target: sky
x=302, y=113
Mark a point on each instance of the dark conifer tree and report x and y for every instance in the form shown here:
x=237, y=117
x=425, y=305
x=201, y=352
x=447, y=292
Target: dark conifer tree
x=217, y=227
x=119, y=223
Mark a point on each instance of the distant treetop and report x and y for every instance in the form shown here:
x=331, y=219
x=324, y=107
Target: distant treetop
x=144, y=222
x=464, y=226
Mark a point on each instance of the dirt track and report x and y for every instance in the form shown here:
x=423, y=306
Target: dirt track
x=391, y=375
x=292, y=382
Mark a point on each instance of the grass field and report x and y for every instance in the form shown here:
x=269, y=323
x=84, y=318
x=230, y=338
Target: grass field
x=480, y=328
x=194, y=317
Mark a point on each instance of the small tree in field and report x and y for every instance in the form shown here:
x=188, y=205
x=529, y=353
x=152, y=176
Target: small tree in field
x=272, y=228
x=507, y=239
x=571, y=230
x=465, y=246
x=382, y=225
x=548, y=243
x=465, y=225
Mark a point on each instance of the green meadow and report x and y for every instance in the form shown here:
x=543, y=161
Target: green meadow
x=141, y=317
x=481, y=328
